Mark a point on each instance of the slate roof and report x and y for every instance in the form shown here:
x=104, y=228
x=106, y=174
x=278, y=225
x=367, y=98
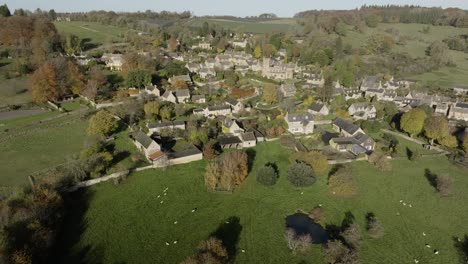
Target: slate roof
x=370, y=81
x=142, y=138
x=316, y=107
x=248, y=136
x=231, y=101
x=190, y=151
x=218, y=107
x=197, y=97
x=229, y=140
x=346, y=125
x=464, y=87
x=182, y=93
x=306, y=117
x=166, y=94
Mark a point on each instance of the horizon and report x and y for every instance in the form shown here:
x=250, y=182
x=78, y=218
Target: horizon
x=240, y=8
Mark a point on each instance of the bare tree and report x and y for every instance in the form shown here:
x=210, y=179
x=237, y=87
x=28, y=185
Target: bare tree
x=290, y=236
x=304, y=242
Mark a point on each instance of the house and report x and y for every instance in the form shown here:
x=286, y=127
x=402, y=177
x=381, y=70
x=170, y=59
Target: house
x=461, y=89
x=193, y=67
x=318, y=109
x=217, y=110
x=300, y=123
x=183, y=95
x=351, y=94
x=277, y=70
x=169, y=96
x=236, y=105
x=345, y=127
x=315, y=81
x=288, y=90
x=186, y=78
x=153, y=90
x=365, y=141
x=239, y=44
x=206, y=73
x=198, y=99
x=170, y=125
x=360, y=143
x=230, y=142
x=191, y=153
x=371, y=82
x=113, y=61
x=376, y=93
x=459, y=111
x=442, y=109
x=148, y=146
x=210, y=63
x=362, y=111
x=259, y=136
x=248, y=139
x=231, y=126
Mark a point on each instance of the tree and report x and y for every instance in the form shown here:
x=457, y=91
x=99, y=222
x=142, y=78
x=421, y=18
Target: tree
x=102, y=124
x=4, y=11
x=179, y=84
x=210, y=251
x=151, y=108
x=436, y=127
x=138, y=78
x=268, y=50
x=96, y=80
x=52, y=15
x=380, y=161
x=325, y=92
x=465, y=142
x=444, y=185
x=352, y=236
x=173, y=44
x=290, y=236
x=300, y=175
x=270, y=93
x=374, y=227
x=342, y=182
x=412, y=122
x=267, y=175
x=439, y=53
x=317, y=214
x=227, y=171
x=209, y=152
x=166, y=113
x=337, y=253
x=258, y=52
x=315, y=159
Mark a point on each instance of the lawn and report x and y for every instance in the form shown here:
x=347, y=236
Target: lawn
x=127, y=223
x=13, y=91
x=31, y=148
x=96, y=33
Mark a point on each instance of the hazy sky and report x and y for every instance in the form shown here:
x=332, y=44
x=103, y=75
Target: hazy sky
x=282, y=8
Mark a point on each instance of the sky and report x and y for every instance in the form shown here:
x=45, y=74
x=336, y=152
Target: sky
x=282, y=8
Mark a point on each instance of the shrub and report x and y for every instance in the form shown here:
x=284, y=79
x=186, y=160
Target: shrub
x=371, y=126
x=444, y=185
x=352, y=236
x=374, y=227
x=267, y=175
x=300, y=175
x=337, y=252
x=342, y=182
x=316, y=160
x=317, y=214
x=380, y=161
x=449, y=141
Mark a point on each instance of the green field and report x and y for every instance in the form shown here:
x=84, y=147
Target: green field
x=279, y=25
x=13, y=91
x=416, y=46
x=29, y=147
x=128, y=224
x=95, y=32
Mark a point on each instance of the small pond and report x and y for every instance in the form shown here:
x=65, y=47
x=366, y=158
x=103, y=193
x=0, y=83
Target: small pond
x=302, y=224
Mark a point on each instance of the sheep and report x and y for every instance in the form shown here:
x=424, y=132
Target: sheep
x=436, y=252
x=167, y=243
x=175, y=241
x=428, y=246
x=175, y=222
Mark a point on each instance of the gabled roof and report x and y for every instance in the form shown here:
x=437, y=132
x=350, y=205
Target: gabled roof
x=219, y=107
x=228, y=140
x=182, y=93
x=232, y=101
x=155, y=155
x=143, y=139
x=370, y=81
x=166, y=94
x=316, y=107
x=305, y=117
x=459, y=86
x=257, y=133
x=189, y=151
x=346, y=125
x=197, y=97
x=248, y=136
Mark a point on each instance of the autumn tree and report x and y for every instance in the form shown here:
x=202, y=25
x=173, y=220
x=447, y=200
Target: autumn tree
x=227, y=171
x=54, y=79
x=438, y=51
x=173, y=44
x=258, y=52
x=352, y=236
x=297, y=242
x=374, y=226
x=97, y=79
x=270, y=93
x=179, y=84
x=268, y=50
x=449, y=141
x=102, y=124
x=436, y=127
x=210, y=251
x=166, y=113
x=338, y=253
x=315, y=159
x=412, y=122
x=342, y=182
x=133, y=61
x=444, y=185
x=151, y=108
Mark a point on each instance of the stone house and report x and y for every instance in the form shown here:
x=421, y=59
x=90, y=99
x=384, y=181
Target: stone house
x=287, y=90
x=205, y=73
x=170, y=125
x=153, y=90
x=230, y=142
x=376, y=93
x=217, y=110
x=186, y=78
x=113, y=61
x=318, y=109
x=362, y=111
x=190, y=154
x=183, y=95
x=147, y=146
x=198, y=99
x=371, y=82
x=346, y=128
x=300, y=123
x=277, y=70
x=169, y=97
x=231, y=126
x=461, y=89
x=459, y=111
x=248, y=139
x=236, y=105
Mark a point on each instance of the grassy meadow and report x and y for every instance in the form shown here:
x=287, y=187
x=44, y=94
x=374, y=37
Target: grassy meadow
x=131, y=222
x=287, y=25
x=31, y=144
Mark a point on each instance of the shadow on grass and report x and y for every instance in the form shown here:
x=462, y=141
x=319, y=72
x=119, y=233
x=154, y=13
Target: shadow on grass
x=462, y=247
x=229, y=233
x=251, y=154
x=431, y=177
x=67, y=248
x=334, y=231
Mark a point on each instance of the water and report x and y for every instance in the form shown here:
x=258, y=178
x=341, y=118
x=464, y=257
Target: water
x=302, y=224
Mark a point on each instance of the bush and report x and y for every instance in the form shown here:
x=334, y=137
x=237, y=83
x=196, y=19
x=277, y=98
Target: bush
x=316, y=160
x=317, y=214
x=337, y=252
x=352, y=236
x=444, y=185
x=342, y=182
x=267, y=175
x=374, y=227
x=371, y=126
x=300, y=175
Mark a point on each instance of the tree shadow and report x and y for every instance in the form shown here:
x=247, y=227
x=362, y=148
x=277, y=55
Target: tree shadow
x=409, y=153
x=251, y=154
x=348, y=220
x=274, y=166
x=119, y=156
x=334, y=169
x=70, y=232
x=462, y=247
x=431, y=177
x=229, y=233
x=369, y=217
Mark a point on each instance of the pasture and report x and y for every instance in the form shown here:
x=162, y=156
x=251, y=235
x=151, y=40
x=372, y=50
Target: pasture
x=288, y=25
x=131, y=222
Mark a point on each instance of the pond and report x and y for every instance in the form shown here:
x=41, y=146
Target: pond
x=302, y=224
